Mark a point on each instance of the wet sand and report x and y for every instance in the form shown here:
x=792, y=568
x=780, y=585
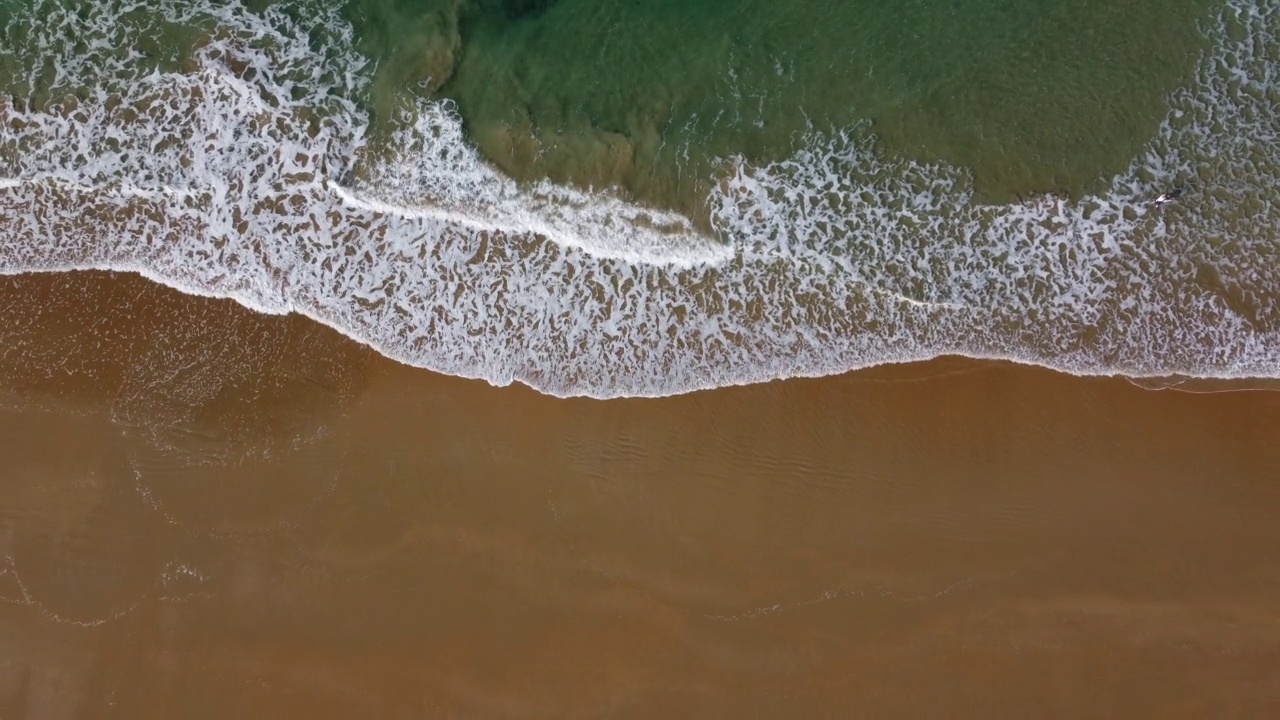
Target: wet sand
x=205, y=512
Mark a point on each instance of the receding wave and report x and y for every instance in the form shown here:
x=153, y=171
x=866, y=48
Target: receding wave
x=248, y=174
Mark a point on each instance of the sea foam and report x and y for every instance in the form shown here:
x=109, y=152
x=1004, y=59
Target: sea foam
x=249, y=175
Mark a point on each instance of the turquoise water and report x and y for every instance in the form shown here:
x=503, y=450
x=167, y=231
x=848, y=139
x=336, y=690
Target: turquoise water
x=626, y=198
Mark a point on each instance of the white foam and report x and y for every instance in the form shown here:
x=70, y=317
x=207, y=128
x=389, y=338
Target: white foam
x=835, y=259
x=435, y=175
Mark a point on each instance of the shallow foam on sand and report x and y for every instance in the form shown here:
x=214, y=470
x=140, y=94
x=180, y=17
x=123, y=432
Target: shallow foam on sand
x=249, y=176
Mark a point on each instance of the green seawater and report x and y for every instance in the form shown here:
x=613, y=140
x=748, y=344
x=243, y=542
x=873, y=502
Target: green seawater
x=649, y=95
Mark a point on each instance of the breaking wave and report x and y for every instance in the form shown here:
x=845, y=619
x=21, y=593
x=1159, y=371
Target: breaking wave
x=246, y=172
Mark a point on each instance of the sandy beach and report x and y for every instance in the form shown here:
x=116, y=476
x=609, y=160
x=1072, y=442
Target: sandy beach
x=204, y=511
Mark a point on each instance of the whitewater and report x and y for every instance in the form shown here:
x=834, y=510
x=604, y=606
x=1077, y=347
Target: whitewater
x=249, y=174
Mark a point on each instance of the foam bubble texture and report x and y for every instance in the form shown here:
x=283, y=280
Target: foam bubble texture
x=233, y=176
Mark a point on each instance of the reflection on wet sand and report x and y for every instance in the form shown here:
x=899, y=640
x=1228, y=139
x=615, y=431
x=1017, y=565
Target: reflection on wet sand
x=207, y=511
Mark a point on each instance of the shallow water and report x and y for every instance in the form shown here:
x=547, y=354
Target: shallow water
x=1029, y=96
x=273, y=162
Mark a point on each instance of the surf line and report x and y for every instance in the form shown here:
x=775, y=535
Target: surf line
x=709, y=252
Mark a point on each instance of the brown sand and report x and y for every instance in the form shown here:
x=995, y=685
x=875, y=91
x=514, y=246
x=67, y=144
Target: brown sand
x=204, y=512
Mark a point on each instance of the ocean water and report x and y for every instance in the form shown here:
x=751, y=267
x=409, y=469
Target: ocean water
x=614, y=199
x=1029, y=95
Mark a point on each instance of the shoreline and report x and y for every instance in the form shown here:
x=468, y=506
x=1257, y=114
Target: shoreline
x=1262, y=382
